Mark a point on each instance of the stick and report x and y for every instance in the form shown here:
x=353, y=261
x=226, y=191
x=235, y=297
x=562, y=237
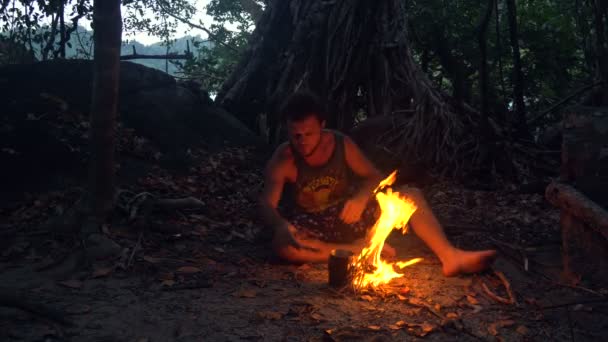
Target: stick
x=141, y=234
x=591, y=301
x=180, y=203
x=504, y=280
x=576, y=203
x=199, y=285
x=568, y=98
x=424, y=306
x=494, y=296
x=507, y=286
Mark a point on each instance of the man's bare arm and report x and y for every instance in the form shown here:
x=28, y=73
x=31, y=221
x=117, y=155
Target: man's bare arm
x=362, y=167
x=274, y=181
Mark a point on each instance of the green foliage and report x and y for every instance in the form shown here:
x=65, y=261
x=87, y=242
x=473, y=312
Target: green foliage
x=552, y=43
x=214, y=63
x=557, y=41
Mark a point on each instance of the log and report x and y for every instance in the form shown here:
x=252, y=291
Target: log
x=578, y=205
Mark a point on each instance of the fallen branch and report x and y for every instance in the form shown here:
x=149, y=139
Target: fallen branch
x=576, y=203
x=144, y=202
x=137, y=245
x=417, y=303
x=566, y=99
x=591, y=301
x=198, y=285
x=179, y=203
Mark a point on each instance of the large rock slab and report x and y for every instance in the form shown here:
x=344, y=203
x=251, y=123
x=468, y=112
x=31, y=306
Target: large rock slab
x=150, y=101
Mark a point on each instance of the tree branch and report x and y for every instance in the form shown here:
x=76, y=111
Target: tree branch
x=211, y=35
x=566, y=99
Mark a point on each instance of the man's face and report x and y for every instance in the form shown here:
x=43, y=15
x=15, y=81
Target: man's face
x=305, y=135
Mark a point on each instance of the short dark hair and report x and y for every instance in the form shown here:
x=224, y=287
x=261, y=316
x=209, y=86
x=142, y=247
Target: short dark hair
x=301, y=105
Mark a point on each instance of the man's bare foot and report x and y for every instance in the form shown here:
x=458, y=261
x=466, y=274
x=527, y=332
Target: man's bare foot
x=462, y=262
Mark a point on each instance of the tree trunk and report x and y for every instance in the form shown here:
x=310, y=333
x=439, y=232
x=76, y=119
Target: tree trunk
x=600, y=10
x=500, y=113
x=107, y=25
x=518, y=79
x=483, y=61
x=336, y=48
x=453, y=67
x=62, y=36
x=48, y=47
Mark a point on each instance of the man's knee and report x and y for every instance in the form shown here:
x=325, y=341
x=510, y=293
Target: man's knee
x=286, y=253
x=411, y=192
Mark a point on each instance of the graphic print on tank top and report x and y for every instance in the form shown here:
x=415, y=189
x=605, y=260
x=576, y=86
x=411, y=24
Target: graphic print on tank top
x=318, y=188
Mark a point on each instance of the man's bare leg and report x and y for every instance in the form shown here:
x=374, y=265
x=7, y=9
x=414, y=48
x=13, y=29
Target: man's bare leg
x=315, y=251
x=455, y=261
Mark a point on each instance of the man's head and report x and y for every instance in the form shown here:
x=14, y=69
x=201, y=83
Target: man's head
x=305, y=119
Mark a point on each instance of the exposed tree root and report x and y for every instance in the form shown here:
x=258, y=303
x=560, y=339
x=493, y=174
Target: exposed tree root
x=356, y=55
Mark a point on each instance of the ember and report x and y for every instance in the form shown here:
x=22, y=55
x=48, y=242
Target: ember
x=368, y=268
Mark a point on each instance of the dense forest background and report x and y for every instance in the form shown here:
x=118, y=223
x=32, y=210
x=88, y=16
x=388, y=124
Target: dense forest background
x=129, y=207
x=536, y=53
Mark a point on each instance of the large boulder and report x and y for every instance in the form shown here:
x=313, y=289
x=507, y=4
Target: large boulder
x=46, y=105
x=150, y=101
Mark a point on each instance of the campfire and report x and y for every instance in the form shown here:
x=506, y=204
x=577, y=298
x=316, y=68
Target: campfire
x=368, y=269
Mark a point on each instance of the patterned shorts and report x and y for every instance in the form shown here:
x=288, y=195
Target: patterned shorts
x=327, y=226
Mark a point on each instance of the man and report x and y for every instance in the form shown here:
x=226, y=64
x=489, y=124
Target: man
x=319, y=165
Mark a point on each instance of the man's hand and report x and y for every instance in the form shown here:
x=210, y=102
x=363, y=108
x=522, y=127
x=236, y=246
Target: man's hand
x=353, y=208
x=283, y=237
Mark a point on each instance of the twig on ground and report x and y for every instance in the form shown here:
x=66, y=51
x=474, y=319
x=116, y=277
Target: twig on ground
x=590, y=301
x=507, y=286
x=198, y=285
x=137, y=245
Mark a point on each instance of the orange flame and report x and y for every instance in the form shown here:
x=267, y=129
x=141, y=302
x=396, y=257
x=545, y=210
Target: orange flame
x=396, y=210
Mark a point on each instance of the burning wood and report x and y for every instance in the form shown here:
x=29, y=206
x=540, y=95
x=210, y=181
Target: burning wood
x=368, y=268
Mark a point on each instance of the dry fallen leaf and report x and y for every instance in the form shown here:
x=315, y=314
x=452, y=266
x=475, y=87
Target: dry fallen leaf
x=245, y=293
x=451, y=315
x=316, y=316
x=493, y=328
x=270, y=315
x=394, y=327
x=367, y=298
x=167, y=282
x=72, y=283
x=188, y=269
x=476, y=308
x=374, y=327
x=102, y=272
x=400, y=323
x=522, y=330
x=152, y=260
x=472, y=300
x=401, y=297
x=77, y=309
x=427, y=328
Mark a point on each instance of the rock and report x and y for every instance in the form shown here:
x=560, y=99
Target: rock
x=45, y=114
x=170, y=115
